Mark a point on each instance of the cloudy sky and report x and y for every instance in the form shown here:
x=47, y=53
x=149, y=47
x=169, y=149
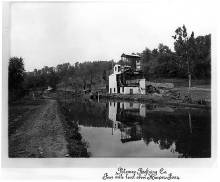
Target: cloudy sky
x=53, y=33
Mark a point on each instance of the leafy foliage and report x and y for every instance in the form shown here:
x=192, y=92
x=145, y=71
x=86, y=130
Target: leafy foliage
x=77, y=76
x=191, y=54
x=15, y=77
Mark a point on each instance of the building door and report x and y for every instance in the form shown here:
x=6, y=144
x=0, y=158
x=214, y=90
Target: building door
x=131, y=91
x=118, y=89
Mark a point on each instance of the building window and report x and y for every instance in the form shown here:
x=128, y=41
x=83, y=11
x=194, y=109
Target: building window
x=115, y=68
x=122, y=89
x=110, y=90
x=114, y=90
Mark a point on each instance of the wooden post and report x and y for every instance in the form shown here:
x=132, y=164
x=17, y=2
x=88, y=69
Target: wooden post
x=65, y=95
x=189, y=77
x=98, y=96
x=189, y=81
x=189, y=89
x=112, y=127
x=33, y=95
x=190, y=122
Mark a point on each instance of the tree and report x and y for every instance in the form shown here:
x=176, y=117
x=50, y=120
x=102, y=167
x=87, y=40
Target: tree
x=146, y=55
x=52, y=78
x=166, y=66
x=15, y=77
x=202, y=66
x=145, y=60
x=185, y=49
x=155, y=52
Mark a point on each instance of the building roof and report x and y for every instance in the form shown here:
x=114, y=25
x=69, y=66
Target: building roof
x=130, y=55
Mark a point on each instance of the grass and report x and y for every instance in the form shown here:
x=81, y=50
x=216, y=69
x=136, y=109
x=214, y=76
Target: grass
x=76, y=145
x=196, y=95
x=20, y=110
x=205, y=83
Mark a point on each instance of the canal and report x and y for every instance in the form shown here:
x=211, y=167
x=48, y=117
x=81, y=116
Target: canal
x=131, y=129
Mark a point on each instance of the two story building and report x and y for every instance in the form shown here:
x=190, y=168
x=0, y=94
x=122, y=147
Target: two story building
x=132, y=60
x=127, y=79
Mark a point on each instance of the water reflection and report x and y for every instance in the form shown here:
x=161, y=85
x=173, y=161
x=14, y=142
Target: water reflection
x=123, y=129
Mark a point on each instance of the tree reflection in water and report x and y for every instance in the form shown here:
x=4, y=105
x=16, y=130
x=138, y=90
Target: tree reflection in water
x=186, y=131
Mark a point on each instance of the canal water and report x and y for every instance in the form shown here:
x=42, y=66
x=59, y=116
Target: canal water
x=130, y=129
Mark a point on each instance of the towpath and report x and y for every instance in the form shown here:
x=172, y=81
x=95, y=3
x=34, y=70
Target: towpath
x=40, y=135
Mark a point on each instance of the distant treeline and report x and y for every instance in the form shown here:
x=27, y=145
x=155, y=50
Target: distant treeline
x=191, y=55
x=77, y=76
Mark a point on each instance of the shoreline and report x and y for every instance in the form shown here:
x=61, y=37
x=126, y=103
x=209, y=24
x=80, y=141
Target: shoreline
x=154, y=99
x=150, y=98
x=76, y=145
x=44, y=125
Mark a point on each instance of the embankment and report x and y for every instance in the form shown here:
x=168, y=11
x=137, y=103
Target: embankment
x=40, y=128
x=75, y=144
x=156, y=98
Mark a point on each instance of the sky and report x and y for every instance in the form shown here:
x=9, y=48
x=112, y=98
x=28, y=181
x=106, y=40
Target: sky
x=48, y=34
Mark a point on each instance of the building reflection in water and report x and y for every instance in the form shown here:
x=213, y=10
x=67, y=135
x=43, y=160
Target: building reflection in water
x=146, y=129
x=169, y=129
x=117, y=114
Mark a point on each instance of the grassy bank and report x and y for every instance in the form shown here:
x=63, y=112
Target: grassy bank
x=180, y=82
x=172, y=99
x=40, y=127
x=76, y=146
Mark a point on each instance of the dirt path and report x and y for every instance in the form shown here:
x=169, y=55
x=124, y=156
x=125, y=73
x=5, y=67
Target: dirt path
x=41, y=135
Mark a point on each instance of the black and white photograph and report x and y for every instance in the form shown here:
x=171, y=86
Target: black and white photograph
x=125, y=87
x=108, y=80
x=110, y=85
